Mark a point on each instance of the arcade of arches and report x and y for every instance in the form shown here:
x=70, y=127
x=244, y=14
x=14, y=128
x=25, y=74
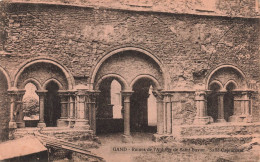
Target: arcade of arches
x=127, y=96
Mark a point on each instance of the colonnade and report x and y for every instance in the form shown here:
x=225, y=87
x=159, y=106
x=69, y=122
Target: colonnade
x=78, y=109
x=241, y=112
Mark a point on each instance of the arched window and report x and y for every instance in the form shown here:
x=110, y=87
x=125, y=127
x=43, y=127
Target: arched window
x=116, y=99
x=31, y=105
x=229, y=101
x=229, y=98
x=212, y=101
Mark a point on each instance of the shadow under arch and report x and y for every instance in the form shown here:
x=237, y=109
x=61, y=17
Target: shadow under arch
x=123, y=49
x=117, y=77
x=153, y=80
x=68, y=75
x=240, y=72
x=52, y=80
x=141, y=109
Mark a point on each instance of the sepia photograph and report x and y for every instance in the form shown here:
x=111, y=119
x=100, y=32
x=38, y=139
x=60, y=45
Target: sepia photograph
x=130, y=80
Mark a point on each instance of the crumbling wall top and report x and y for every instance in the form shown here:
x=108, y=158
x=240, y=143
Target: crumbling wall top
x=229, y=8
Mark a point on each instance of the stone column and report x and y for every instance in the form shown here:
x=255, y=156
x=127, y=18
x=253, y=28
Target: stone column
x=159, y=100
x=200, y=102
x=92, y=117
x=127, y=95
x=41, y=94
x=168, y=113
x=241, y=107
x=221, y=107
x=63, y=121
x=71, y=109
x=19, y=109
x=82, y=110
x=12, y=94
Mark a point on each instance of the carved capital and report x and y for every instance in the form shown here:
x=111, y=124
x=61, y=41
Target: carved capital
x=41, y=92
x=127, y=93
x=158, y=95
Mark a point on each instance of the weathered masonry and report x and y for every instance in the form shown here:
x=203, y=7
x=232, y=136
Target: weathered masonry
x=97, y=68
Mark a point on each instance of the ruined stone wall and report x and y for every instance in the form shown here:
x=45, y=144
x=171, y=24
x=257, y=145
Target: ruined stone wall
x=4, y=109
x=189, y=46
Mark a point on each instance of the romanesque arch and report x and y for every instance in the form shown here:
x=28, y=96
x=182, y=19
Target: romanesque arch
x=37, y=70
x=124, y=50
x=128, y=66
x=228, y=100
x=53, y=82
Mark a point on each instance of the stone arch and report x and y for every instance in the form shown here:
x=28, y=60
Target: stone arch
x=122, y=50
x=228, y=68
x=5, y=85
x=7, y=77
x=119, y=78
x=52, y=80
x=33, y=81
x=231, y=82
x=68, y=76
x=155, y=82
x=217, y=83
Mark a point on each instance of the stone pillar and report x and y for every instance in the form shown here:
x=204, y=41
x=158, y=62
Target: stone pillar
x=127, y=95
x=82, y=110
x=41, y=94
x=19, y=109
x=242, y=104
x=92, y=117
x=71, y=109
x=221, y=107
x=168, y=114
x=12, y=94
x=200, y=102
x=159, y=100
x=64, y=96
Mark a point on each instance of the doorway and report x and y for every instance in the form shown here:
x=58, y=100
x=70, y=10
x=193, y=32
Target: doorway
x=143, y=107
x=52, y=105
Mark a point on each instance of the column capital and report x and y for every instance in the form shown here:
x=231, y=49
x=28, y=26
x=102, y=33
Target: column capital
x=16, y=91
x=220, y=93
x=158, y=95
x=63, y=93
x=127, y=93
x=200, y=95
x=95, y=93
x=41, y=92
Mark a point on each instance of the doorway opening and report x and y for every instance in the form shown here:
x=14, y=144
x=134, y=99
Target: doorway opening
x=143, y=107
x=212, y=101
x=109, y=115
x=31, y=106
x=229, y=101
x=52, y=105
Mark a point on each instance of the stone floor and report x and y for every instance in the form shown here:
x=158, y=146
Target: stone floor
x=112, y=149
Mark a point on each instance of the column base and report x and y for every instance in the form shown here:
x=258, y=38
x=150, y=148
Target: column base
x=20, y=124
x=81, y=123
x=12, y=125
x=241, y=118
x=127, y=139
x=221, y=121
x=62, y=123
x=41, y=125
x=202, y=120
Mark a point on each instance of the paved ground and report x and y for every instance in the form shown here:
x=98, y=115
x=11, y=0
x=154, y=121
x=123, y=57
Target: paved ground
x=112, y=149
